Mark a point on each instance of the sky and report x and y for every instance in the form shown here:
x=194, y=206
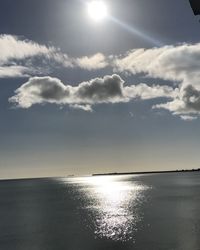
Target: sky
x=81, y=96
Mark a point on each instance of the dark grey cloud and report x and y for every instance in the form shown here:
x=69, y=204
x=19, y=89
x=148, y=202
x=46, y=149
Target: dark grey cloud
x=191, y=98
x=104, y=89
x=46, y=88
x=109, y=89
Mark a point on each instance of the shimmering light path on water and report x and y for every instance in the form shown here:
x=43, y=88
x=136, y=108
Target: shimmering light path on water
x=114, y=204
x=140, y=212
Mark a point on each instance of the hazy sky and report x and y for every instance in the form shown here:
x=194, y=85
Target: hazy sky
x=80, y=96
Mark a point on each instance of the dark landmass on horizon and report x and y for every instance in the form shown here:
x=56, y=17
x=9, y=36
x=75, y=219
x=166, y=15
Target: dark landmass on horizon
x=150, y=172
x=104, y=174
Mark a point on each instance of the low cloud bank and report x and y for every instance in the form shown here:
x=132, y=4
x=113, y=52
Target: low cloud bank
x=109, y=89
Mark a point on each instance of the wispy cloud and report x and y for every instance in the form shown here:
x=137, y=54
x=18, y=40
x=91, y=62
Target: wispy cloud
x=17, y=56
x=188, y=117
x=85, y=107
x=12, y=48
x=13, y=71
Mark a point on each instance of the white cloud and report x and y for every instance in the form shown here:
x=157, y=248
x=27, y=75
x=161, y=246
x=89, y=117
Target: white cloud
x=175, y=63
x=13, y=71
x=85, y=107
x=188, y=117
x=110, y=89
x=21, y=52
x=178, y=64
x=144, y=91
x=97, y=61
x=14, y=48
x=17, y=55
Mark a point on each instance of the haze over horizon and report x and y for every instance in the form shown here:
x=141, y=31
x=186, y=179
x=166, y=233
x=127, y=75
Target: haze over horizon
x=83, y=94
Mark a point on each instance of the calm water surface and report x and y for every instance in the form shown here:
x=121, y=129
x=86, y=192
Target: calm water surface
x=147, y=212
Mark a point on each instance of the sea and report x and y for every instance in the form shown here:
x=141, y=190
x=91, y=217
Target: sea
x=127, y=212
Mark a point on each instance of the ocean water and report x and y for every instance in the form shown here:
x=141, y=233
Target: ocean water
x=144, y=212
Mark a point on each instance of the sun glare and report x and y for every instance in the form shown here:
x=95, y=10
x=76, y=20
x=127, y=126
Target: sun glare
x=97, y=10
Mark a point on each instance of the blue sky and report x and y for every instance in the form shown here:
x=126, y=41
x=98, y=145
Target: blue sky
x=80, y=97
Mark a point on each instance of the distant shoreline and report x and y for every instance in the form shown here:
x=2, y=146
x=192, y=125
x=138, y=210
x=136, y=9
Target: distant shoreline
x=104, y=174
x=150, y=172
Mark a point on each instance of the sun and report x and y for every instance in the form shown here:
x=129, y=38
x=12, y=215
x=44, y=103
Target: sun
x=97, y=10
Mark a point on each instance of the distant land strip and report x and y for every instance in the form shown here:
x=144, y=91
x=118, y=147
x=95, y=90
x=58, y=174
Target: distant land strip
x=150, y=172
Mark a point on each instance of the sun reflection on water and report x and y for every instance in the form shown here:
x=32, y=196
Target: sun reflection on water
x=113, y=202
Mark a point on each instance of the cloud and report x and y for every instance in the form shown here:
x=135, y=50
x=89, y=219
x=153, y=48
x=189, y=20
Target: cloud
x=13, y=71
x=109, y=89
x=188, y=117
x=144, y=91
x=86, y=107
x=179, y=64
x=17, y=56
x=23, y=52
x=12, y=48
x=187, y=102
x=97, y=61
